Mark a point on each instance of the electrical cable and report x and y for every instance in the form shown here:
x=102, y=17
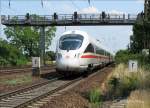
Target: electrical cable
x=9, y=3
x=4, y=6
x=42, y=3
x=89, y=1
x=75, y=5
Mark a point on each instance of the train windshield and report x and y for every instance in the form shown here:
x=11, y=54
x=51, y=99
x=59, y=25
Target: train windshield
x=70, y=42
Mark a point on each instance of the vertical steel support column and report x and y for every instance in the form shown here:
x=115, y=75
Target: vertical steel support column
x=0, y=18
x=42, y=45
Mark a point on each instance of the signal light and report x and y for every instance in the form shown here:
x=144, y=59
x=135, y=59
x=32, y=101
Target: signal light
x=27, y=16
x=55, y=16
x=75, y=15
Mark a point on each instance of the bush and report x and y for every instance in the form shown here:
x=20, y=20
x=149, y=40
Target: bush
x=50, y=55
x=113, y=85
x=10, y=55
x=123, y=56
x=122, y=82
x=128, y=84
x=146, y=67
x=21, y=61
x=3, y=62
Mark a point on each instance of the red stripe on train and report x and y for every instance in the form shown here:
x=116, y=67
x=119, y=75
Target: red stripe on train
x=93, y=56
x=89, y=56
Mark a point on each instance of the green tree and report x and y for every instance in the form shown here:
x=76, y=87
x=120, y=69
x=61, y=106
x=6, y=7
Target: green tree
x=26, y=39
x=10, y=55
x=50, y=55
x=122, y=56
x=141, y=35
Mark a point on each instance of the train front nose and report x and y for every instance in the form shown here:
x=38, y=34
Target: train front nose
x=67, y=63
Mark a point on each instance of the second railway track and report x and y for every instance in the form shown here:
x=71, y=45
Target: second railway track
x=28, y=96
x=22, y=70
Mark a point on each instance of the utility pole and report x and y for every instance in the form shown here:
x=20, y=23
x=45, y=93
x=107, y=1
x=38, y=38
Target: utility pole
x=42, y=45
x=147, y=8
x=0, y=18
x=147, y=17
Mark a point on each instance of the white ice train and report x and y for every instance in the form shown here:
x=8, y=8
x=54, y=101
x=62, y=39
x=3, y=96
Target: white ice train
x=78, y=52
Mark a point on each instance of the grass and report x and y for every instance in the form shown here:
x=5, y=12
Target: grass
x=121, y=82
x=22, y=79
x=139, y=99
x=95, y=98
x=50, y=62
x=134, y=85
x=47, y=62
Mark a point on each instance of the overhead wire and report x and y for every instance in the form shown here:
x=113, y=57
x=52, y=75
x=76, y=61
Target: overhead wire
x=42, y=3
x=92, y=2
x=89, y=1
x=78, y=8
x=4, y=6
x=75, y=5
x=9, y=3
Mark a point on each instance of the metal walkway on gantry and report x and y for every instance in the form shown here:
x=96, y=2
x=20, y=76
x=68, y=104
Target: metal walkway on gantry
x=66, y=20
x=69, y=20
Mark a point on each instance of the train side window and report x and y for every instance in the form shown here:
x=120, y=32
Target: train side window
x=99, y=51
x=89, y=48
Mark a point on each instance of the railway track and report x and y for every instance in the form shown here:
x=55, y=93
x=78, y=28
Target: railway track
x=18, y=98
x=27, y=96
x=22, y=70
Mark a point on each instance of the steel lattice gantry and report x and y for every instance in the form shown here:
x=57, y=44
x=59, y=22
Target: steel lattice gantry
x=69, y=20
x=66, y=20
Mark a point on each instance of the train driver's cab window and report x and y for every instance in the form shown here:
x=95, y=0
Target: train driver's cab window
x=89, y=48
x=70, y=42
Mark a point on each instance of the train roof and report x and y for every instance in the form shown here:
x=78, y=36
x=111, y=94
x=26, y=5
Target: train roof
x=75, y=32
x=94, y=41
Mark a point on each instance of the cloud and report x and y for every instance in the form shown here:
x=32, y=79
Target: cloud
x=59, y=8
x=90, y=9
x=94, y=10
x=116, y=12
x=140, y=1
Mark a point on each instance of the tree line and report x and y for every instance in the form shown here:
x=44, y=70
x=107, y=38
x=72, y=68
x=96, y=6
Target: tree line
x=22, y=43
x=139, y=41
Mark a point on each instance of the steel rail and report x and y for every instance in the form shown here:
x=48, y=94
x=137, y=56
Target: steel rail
x=21, y=70
x=26, y=96
x=9, y=94
x=48, y=93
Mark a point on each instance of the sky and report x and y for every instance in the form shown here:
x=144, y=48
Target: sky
x=113, y=37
